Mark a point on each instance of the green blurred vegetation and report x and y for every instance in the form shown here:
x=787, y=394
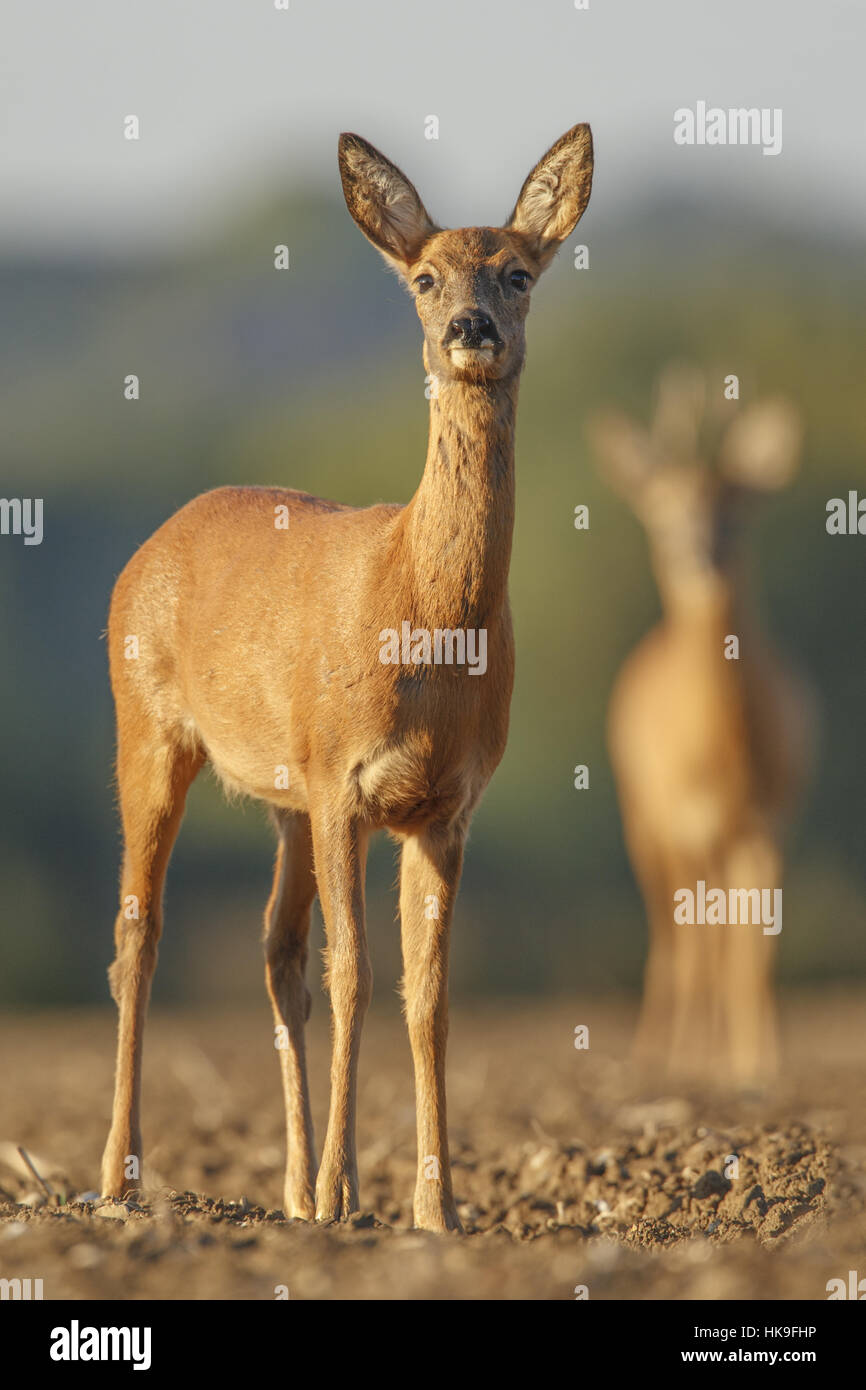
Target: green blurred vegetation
x=313, y=378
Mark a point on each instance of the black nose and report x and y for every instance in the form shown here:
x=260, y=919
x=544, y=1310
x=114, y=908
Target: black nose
x=472, y=329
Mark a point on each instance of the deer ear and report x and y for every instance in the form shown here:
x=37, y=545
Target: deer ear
x=554, y=197
x=761, y=448
x=623, y=451
x=383, y=202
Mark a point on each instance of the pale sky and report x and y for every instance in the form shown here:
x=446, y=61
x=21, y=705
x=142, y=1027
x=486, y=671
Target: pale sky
x=235, y=96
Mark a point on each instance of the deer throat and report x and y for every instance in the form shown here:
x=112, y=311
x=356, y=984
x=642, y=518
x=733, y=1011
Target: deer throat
x=457, y=529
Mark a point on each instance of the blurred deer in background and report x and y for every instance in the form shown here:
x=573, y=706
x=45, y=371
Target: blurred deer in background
x=257, y=618
x=709, y=751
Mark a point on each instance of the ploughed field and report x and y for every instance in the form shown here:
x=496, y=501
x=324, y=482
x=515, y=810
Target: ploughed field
x=569, y=1172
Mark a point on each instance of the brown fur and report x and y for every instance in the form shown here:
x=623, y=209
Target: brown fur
x=709, y=753
x=259, y=648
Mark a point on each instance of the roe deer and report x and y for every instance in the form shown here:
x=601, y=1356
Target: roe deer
x=709, y=753
x=261, y=649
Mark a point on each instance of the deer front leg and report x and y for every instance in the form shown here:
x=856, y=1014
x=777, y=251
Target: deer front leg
x=429, y=878
x=340, y=852
x=652, y=1036
x=287, y=926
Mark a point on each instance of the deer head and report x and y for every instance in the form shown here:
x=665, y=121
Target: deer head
x=472, y=286
x=688, y=476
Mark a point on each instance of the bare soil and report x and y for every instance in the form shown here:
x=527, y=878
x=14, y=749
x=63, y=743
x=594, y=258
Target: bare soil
x=568, y=1170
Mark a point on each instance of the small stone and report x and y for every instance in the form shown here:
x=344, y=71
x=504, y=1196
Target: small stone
x=114, y=1211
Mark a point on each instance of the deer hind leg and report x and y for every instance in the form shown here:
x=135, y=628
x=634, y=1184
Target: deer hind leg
x=747, y=979
x=429, y=877
x=340, y=853
x=287, y=927
x=154, y=774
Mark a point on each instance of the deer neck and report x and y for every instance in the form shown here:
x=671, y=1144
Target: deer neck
x=457, y=529
x=709, y=608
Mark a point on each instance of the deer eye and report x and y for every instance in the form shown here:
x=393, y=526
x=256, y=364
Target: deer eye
x=424, y=283
x=519, y=279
